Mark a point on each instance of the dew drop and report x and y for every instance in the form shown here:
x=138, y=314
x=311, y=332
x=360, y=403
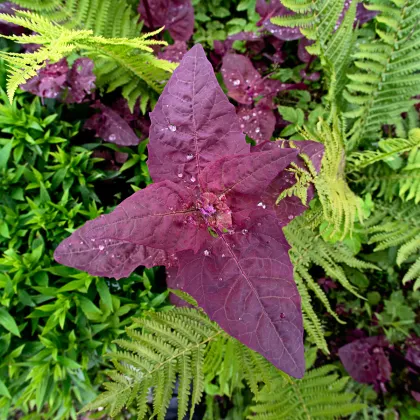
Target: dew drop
x=220, y=279
x=172, y=127
x=254, y=114
x=112, y=137
x=257, y=130
x=101, y=247
x=93, y=240
x=180, y=175
x=81, y=243
x=242, y=126
x=261, y=204
x=290, y=217
x=236, y=82
x=282, y=315
x=223, y=255
x=244, y=231
x=240, y=319
x=206, y=252
x=190, y=156
x=193, y=179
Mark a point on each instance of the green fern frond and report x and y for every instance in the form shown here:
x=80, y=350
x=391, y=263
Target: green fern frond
x=319, y=395
x=308, y=248
x=387, y=148
x=170, y=345
x=385, y=173
x=109, y=18
x=316, y=18
x=387, y=76
x=398, y=225
x=340, y=206
x=184, y=345
x=119, y=62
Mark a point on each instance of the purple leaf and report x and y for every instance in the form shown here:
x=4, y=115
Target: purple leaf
x=303, y=54
x=366, y=361
x=244, y=83
x=7, y=28
x=271, y=9
x=107, y=257
x=240, y=180
x=290, y=207
x=193, y=123
x=240, y=77
x=174, y=52
x=204, y=219
x=81, y=80
x=413, y=352
x=162, y=216
x=364, y=15
x=257, y=123
x=111, y=127
x=176, y=15
x=244, y=282
x=50, y=80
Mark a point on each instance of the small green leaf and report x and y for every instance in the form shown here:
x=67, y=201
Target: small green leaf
x=3, y=390
x=104, y=293
x=8, y=322
x=288, y=113
x=5, y=154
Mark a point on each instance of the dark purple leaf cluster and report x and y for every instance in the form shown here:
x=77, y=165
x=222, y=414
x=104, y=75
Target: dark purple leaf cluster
x=210, y=217
x=56, y=80
x=367, y=362
x=7, y=28
x=271, y=9
x=111, y=127
x=245, y=84
x=174, y=52
x=177, y=16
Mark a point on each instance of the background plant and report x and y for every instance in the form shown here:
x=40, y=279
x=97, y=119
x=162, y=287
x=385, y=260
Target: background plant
x=355, y=249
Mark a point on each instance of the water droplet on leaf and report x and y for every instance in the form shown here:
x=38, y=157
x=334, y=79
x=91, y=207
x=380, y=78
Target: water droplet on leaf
x=112, y=137
x=172, y=127
x=206, y=252
x=101, y=247
x=236, y=82
x=244, y=231
x=180, y=175
x=190, y=156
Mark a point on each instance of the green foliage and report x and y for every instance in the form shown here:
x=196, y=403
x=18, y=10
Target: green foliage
x=120, y=62
x=319, y=395
x=213, y=19
x=55, y=322
x=397, y=225
x=387, y=76
x=309, y=248
x=108, y=18
x=341, y=208
x=184, y=345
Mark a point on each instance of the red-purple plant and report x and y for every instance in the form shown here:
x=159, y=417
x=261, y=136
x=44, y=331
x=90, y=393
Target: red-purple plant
x=366, y=361
x=205, y=218
x=177, y=16
x=56, y=80
x=108, y=125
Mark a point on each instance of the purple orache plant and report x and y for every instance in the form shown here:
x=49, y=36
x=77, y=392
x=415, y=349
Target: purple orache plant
x=177, y=16
x=209, y=217
x=366, y=361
